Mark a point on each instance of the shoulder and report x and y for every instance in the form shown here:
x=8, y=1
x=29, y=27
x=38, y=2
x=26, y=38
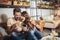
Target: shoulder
x=12, y=18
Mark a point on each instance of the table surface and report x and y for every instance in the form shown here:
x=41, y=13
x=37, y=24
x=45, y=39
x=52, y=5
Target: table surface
x=50, y=37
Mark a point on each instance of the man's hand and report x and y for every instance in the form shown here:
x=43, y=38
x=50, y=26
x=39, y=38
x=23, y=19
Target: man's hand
x=17, y=23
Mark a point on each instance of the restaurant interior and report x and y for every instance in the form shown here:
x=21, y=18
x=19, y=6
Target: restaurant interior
x=49, y=10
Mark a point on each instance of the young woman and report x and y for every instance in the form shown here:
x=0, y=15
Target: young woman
x=33, y=33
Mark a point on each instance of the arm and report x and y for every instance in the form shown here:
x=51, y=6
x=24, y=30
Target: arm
x=36, y=25
x=10, y=26
x=10, y=29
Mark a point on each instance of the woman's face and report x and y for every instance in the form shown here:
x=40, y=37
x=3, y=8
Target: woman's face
x=26, y=15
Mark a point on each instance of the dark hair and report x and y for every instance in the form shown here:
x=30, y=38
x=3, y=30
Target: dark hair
x=16, y=10
x=41, y=18
x=23, y=13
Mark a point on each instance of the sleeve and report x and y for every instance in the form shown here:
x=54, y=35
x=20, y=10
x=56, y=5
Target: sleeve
x=9, y=23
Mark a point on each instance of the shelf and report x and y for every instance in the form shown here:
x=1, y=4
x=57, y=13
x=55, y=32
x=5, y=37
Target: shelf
x=45, y=7
x=21, y=3
x=12, y=6
x=6, y=2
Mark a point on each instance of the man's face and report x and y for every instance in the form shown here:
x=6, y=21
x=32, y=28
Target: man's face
x=17, y=15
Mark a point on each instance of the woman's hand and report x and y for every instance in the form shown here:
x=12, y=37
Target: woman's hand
x=25, y=29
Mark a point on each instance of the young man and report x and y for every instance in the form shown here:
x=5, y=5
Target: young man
x=14, y=24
